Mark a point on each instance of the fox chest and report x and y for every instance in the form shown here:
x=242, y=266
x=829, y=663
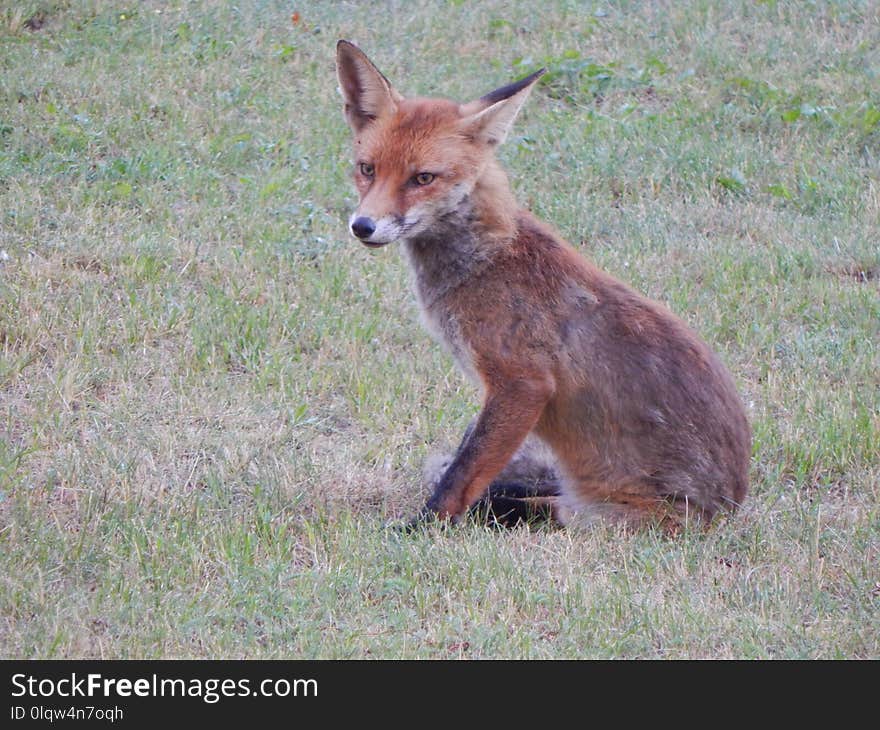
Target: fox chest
x=444, y=327
x=438, y=267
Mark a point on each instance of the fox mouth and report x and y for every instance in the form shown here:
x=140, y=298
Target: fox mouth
x=375, y=244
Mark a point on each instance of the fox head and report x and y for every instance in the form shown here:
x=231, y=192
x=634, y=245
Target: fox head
x=416, y=160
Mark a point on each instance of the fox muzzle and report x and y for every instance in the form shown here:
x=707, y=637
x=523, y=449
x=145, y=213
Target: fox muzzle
x=375, y=233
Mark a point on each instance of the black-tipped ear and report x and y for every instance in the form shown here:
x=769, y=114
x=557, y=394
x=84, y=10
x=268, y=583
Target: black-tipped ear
x=505, y=92
x=490, y=117
x=368, y=94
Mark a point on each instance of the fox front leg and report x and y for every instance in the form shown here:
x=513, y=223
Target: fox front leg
x=509, y=414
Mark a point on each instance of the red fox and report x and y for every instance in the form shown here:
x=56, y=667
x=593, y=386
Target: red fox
x=638, y=419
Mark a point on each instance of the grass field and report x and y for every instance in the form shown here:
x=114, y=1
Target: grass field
x=213, y=400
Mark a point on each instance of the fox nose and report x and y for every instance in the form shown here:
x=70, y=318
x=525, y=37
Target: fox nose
x=363, y=227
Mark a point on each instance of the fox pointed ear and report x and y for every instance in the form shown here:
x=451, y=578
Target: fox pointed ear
x=367, y=93
x=490, y=118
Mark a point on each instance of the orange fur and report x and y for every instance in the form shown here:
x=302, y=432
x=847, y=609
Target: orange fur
x=642, y=418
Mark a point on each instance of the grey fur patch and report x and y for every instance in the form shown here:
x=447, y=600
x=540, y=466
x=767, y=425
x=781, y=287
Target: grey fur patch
x=533, y=463
x=434, y=468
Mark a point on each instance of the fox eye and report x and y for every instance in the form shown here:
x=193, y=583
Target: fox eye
x=367, y=170
x=424, y=178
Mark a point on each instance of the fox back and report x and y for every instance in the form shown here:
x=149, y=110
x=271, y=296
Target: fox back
x=639, y=418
